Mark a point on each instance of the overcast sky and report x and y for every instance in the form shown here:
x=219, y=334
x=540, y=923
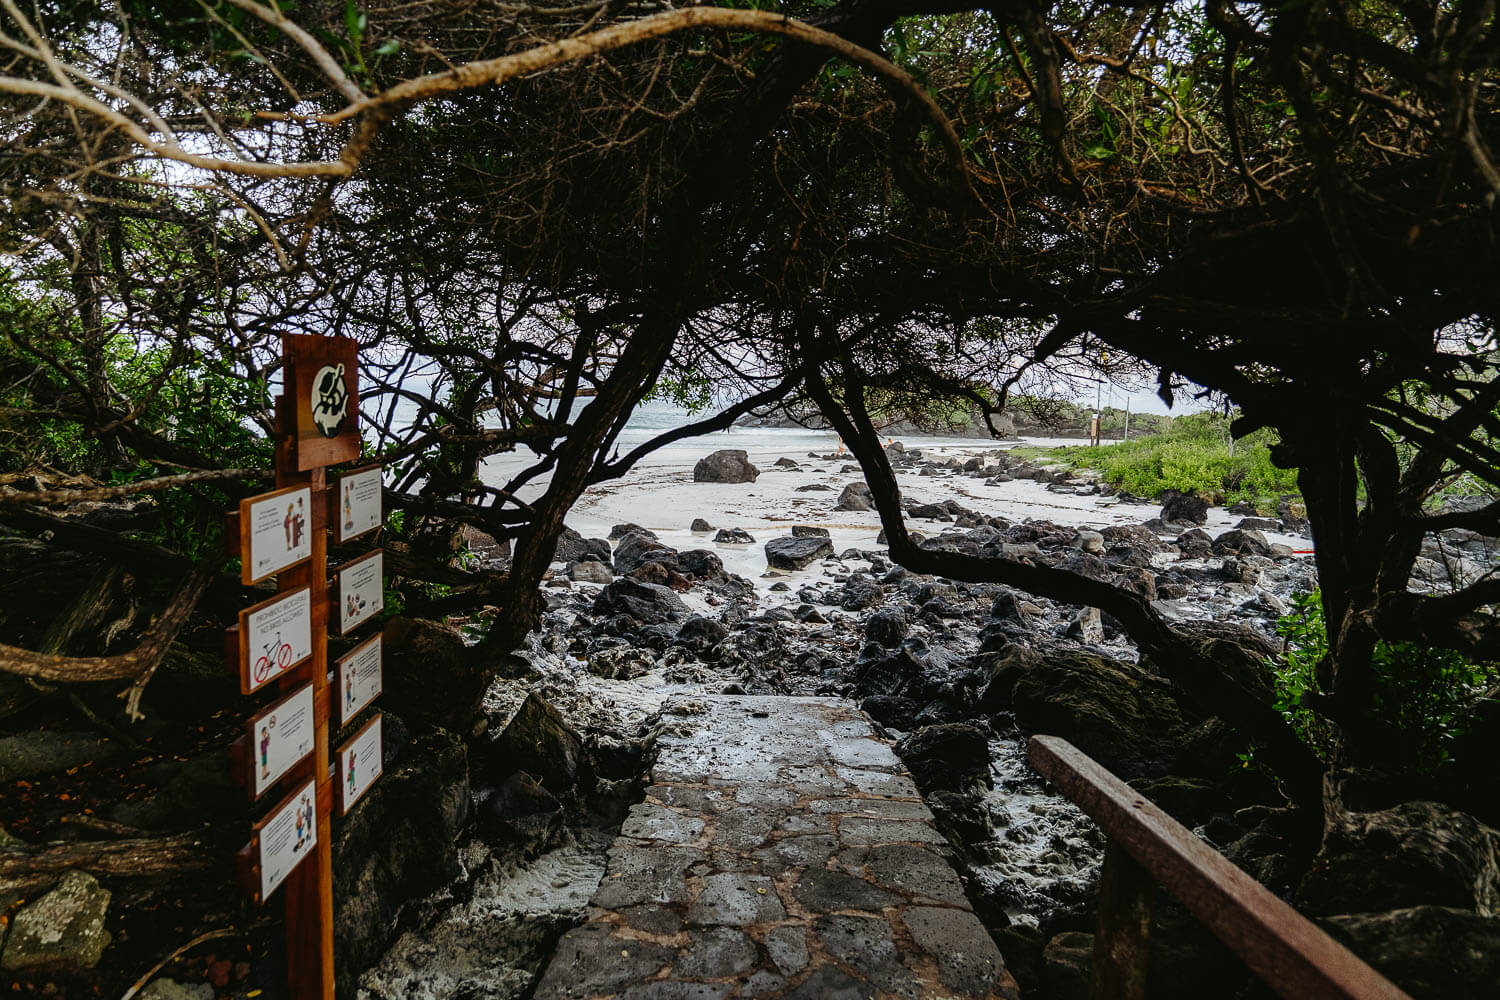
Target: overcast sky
x=1142, y=400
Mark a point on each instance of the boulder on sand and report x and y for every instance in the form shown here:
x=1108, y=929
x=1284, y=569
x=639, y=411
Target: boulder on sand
x=436, y=678
x=729, y=465
x=887, y=627
x=1195, y=544
x=650, y=603
x=521, y=813
x=634, y=550
x=1243, y=542
x=701, y=565
x=1184, y=508
x=856, y=496
x=571, y=547
x=589, y=571
x=792, y=553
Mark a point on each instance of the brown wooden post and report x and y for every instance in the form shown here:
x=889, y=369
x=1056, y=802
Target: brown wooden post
x=1122, y=940
x=316, y=426
x=309, y=888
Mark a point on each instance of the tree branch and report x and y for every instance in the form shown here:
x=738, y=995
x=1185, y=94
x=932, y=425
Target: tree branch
x=138, y=663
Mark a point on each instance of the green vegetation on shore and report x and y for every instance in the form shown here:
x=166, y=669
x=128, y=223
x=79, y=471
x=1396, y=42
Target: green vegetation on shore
x=1194, y=454
x=1424, y=696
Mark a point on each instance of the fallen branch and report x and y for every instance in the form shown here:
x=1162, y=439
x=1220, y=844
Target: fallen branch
x=12, y=496
x=223, y=932
x=72, y=533
x=28, y=868
x=139, y=663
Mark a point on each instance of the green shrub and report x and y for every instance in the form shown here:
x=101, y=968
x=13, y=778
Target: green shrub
x=1306, y=636
x=1422, y=694
x=1194, y=455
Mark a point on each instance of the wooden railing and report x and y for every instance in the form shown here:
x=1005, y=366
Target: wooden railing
x=1146, y=847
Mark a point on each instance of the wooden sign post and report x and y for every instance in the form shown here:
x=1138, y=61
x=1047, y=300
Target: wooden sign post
x=283, y=642
x=309, y=886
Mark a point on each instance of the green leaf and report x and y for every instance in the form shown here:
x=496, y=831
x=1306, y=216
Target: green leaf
x=389, y=47
x=354, y=22
x=330, y=39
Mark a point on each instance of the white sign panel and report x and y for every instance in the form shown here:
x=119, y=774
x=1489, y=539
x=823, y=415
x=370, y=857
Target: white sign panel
x=359, y=764
x=277, y=636
x=287, y=838
x=359, y=504
x=360, y=679
x=361, y=591
x=276, y=532
x=280, y=739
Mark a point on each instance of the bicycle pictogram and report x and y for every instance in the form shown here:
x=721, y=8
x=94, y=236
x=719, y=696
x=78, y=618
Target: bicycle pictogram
x=277, y=654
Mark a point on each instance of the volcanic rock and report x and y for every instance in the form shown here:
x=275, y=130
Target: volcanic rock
x=954, y=757
x=1184, y=508
x=792, y=553
x=729, y=465
x=856, y=496
x=644, y=602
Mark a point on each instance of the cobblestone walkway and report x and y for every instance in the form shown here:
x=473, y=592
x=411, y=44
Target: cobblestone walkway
x=781, y=851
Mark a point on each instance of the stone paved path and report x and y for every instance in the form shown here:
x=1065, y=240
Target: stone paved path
x=781, y=851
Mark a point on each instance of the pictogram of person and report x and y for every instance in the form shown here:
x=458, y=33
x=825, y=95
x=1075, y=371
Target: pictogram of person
x=301, y=826
x=352, y=756
x=348, y=508
x=299, y=525
x=265, y=752
x=286, y=526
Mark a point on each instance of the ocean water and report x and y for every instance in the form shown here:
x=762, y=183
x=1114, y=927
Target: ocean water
x=764, y=445
x=651, y=419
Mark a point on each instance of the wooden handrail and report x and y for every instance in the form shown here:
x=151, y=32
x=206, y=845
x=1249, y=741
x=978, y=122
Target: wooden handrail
x=1282, y=947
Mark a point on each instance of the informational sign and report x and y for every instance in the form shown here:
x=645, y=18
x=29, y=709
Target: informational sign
x=323, y=379
x=360, y=679
x=275, y=636
x=281, y=737
x=359, y=509
x=275, y=532
x=360, y=591
x=359, y=764
x=285, y=838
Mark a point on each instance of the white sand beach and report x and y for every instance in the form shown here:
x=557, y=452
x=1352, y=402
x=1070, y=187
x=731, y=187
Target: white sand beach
x=659, y=493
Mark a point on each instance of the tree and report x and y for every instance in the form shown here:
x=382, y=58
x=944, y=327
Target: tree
x=552, y=211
